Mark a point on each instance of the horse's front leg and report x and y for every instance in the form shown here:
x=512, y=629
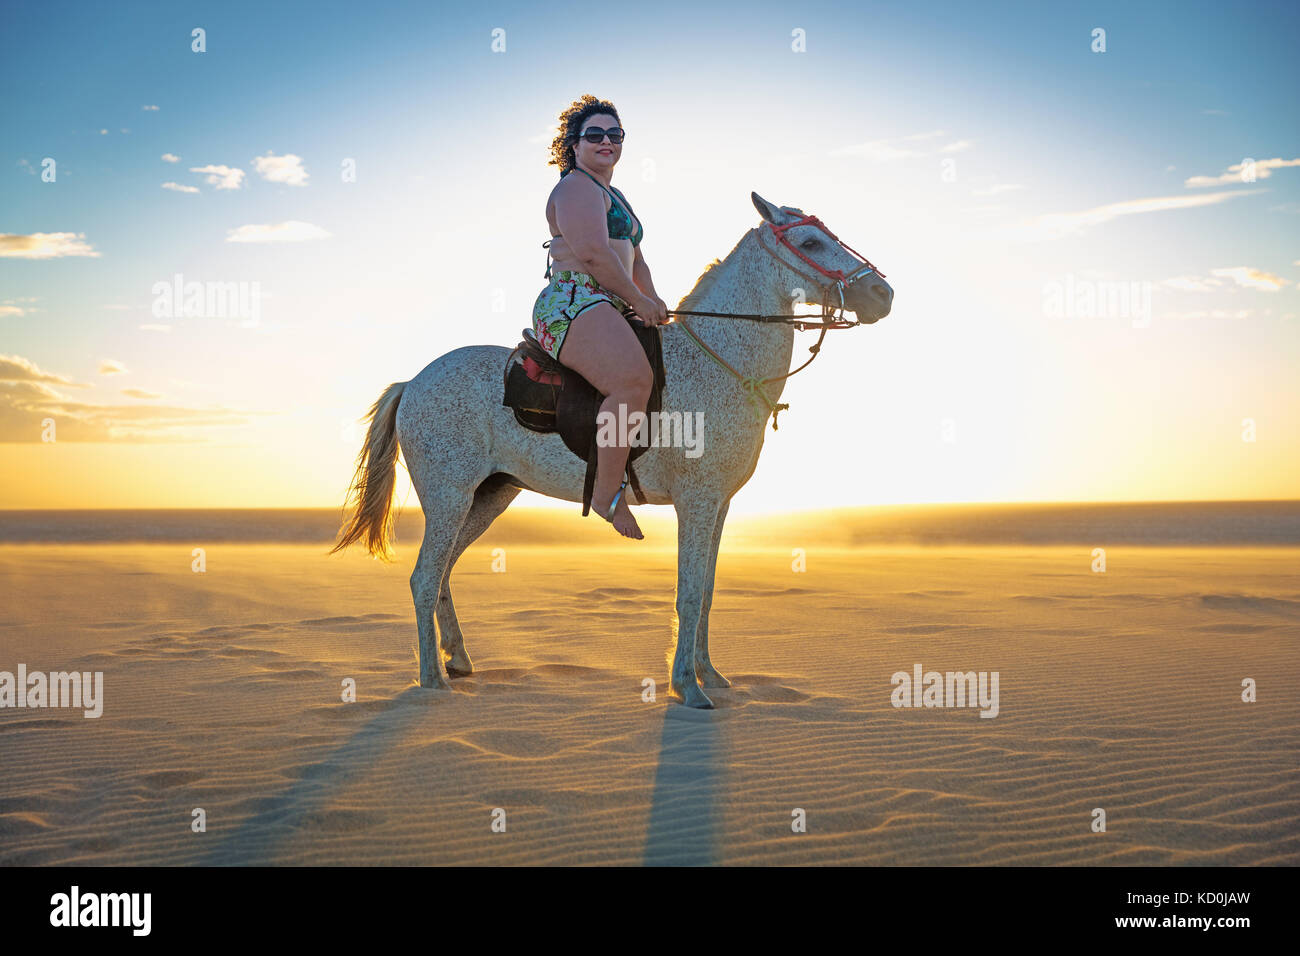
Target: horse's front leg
x=704, y=669
x=696, y=518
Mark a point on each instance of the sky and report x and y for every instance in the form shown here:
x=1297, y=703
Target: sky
x=378, y=174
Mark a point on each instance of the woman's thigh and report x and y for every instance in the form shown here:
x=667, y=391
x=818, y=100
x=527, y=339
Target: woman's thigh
x=601, y=347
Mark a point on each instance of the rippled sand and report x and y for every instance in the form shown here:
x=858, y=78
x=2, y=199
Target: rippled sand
x=1119, y=690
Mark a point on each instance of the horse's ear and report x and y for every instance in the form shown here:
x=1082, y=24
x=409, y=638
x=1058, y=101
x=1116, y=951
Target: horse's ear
x=765, y=209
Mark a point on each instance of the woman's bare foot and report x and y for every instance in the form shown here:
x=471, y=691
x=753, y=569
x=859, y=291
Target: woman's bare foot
x=623, y=521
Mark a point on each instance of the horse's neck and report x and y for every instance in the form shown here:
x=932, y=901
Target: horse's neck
x=744, y=284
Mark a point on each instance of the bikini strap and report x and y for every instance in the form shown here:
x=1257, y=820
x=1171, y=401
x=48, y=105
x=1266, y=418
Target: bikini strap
x=594, y=180
x=627, y=206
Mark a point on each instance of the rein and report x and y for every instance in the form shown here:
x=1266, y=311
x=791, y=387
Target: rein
x=752, y=385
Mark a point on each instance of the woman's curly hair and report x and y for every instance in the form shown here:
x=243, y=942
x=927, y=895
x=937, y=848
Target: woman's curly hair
x=571, y=121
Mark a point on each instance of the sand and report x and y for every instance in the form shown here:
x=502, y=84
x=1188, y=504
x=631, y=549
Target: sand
x=1119, y=690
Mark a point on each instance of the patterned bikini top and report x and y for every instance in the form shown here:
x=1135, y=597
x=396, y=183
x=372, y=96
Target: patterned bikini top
x=618, y=220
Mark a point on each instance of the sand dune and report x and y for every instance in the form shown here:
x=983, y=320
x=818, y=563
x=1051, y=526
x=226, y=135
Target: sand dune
x=222, y=691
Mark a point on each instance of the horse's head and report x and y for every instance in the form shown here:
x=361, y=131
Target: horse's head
x=813, y=259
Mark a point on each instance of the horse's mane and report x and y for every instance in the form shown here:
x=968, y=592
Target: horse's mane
x=707, y=280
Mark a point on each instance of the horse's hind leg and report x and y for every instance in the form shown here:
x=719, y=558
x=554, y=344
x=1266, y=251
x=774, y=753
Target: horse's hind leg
x=456, y=658
x=490, y=500
x=443, y=517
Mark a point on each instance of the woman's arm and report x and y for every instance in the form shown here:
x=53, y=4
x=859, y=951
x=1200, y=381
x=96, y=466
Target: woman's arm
x=580, y=214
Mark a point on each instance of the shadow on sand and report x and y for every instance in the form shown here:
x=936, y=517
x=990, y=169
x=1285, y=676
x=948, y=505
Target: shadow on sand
x=685, y=812
x=303, y=806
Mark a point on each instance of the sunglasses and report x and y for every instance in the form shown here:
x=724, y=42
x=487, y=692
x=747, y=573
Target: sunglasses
x=594, y=134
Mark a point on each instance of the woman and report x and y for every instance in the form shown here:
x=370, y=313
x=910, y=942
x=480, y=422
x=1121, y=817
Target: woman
x=597, y=279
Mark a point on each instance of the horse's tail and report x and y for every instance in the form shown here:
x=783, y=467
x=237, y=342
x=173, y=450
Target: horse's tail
x=372, y=485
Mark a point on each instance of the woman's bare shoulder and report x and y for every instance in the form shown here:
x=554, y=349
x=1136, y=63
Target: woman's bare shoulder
x=578, y=195
x=571, y=185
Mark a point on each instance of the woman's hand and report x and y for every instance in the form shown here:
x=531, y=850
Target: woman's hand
x=651, y=310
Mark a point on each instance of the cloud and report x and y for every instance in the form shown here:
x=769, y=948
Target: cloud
x=291, y=231
x=26, y=401
x=153, y=327
x=1251, y=278
x=151, y=109
x=22, y=413
x=876, y=151
x=1246, y=277
x=1263, y=170
x=891, y=150
x=140, y=393
x=1058, y=225
x=177, y=187
x=223, y=177
x=111, y=367
x=103, y=132
x=118, y=308
x=45, y=245
x=287, y=169
x=16, y=307
x=170, y=158
x=996, y=189
x=27, y=167
x=31, y=390
x=1191, y=284
x=15, y=368
x=1211, y=314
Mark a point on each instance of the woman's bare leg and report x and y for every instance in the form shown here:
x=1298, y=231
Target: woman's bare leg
x=601, y=347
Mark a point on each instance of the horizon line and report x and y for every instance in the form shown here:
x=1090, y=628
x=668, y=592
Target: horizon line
x=742, y=515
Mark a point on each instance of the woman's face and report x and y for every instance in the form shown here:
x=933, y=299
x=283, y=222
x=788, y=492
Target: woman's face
x=597, y=156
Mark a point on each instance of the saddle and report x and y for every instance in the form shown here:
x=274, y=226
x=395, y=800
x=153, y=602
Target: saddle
x=549, y=397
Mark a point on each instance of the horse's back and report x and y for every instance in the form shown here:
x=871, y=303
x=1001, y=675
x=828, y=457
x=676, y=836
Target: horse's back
x=458, y=365
x=452, y=392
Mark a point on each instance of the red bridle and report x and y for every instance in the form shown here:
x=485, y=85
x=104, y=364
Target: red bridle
x=838, y=277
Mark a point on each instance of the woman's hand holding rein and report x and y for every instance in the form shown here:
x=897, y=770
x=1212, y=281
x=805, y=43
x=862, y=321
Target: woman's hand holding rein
x=651, y=310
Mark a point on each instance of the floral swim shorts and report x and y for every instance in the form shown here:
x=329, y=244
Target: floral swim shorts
x=560, y=302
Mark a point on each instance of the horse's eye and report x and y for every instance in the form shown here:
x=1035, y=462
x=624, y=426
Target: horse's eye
x=810, y=244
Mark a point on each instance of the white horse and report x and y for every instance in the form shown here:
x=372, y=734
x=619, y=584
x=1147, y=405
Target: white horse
x=468, y=457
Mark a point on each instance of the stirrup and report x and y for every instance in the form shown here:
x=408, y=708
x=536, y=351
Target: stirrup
x=613, y=505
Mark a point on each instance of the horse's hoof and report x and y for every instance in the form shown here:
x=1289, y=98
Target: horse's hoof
x=692, y=696
x=709, y=677
x=459, y=667
x=434, y=683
